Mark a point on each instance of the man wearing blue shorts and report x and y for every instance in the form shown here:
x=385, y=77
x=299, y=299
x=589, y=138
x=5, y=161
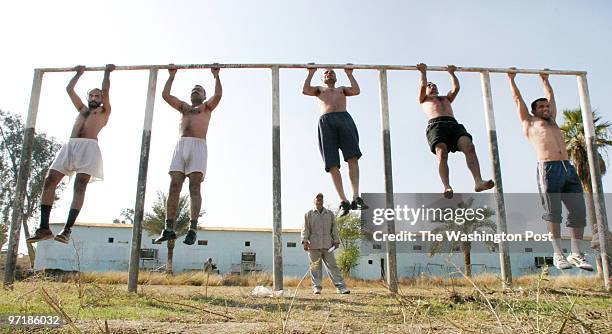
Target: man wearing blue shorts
x=337, y=131
x=558, y=181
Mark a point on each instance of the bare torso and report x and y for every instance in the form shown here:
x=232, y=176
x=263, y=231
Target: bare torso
x=331, y=99
x=89, y=123
x=437, y=106
x=546, y=139
x=194, y=121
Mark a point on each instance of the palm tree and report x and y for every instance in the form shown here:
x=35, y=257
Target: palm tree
x=154, y=222
x=575, y=142
x=469, y=226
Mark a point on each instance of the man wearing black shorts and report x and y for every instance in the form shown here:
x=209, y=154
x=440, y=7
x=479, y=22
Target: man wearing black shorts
x=337, y=131
x=445, y=134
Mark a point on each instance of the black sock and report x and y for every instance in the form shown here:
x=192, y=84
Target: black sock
x=193, y=224
x=45, y=212
x=72, y=216
x=169, y=224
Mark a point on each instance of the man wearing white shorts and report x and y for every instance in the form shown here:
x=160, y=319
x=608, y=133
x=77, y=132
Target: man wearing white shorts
x=190, y=154
x=80, y=156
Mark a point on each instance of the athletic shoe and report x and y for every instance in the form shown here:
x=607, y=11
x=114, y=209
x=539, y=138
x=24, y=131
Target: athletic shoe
x=345, y=207
x=316, y=290
x=40, y=234
x=64, y=235
x=191, y=237
x=358, y=204
x=579, y=261
x=343, y=291
x=560, y=262
x=165, y=236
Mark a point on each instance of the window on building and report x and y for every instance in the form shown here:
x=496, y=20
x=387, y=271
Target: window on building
x=528, y=250
x=376, y=246
x=247, y=243
x=291, y=244
x=202, y=242
x=540, y=261
x=417, y=247
x=111, y=240
x=148, y=254
x=370, y=262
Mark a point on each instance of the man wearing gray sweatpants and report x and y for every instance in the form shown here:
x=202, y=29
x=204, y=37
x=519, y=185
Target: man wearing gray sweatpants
x=319, y=234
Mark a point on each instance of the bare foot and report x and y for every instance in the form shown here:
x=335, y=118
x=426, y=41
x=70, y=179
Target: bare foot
x=484, y=185
x=448, y=193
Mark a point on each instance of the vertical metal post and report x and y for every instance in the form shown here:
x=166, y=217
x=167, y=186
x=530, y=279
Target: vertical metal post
x=22, y=180
x=386, y=136
x=598, y=194
x=277, y=231
x=500, y=212
x=141, y=187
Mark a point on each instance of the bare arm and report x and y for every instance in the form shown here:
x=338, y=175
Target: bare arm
x=354, y=89
x=173, y=101
x=550, y=96
x=455, y=89
x=76, y=100
x=308, y=89
x=212, y=103
x=422, y=82
x=106, y=87
x=520, y=103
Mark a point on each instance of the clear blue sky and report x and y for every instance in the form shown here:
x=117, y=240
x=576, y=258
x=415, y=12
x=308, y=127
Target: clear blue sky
x=238, y=190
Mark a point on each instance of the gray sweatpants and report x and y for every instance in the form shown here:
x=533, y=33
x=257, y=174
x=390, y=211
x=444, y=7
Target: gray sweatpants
x=329, y=261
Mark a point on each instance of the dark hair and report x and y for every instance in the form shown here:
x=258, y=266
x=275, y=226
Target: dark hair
x=319, y=195
x=535, y=102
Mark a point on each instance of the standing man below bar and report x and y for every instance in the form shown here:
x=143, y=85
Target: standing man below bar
x=444, y=133
x=337, y=131
x=557, y=178
x=81, y=155
x=319, y=235
x=190, y=154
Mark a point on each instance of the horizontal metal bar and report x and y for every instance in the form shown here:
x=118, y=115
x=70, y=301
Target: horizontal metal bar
x=335, y=66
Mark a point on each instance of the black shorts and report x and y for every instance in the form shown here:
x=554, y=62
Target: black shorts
x=558, y=183
x=337, y=130
x=445, y=130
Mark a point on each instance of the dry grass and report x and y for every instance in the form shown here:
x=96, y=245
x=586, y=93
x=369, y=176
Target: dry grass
x=489, y=281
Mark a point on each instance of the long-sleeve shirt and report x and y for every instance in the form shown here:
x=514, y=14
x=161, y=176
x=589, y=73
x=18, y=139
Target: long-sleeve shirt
x=320, y=229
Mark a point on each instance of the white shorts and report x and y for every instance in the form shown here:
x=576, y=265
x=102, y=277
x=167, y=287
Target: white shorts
x=190, y=155
x=80, y=155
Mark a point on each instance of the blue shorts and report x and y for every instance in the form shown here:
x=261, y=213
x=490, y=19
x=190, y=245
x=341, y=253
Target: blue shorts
x=558, y=182
x=337, y=130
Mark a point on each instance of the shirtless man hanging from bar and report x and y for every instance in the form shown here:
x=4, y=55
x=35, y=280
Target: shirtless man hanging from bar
x=558, y=180
x=337, y=131
x=444, y=133
x=81, y=155
x=190, y=154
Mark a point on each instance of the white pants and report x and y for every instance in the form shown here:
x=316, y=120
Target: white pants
x=80, y=155
x=328, y=260
x=190, y=155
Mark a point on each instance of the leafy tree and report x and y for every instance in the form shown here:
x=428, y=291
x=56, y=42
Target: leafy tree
x=349, y=229
x=469, y=226
x=43, y=153
x=575, y=142
x=127, y=216
x=154, y=222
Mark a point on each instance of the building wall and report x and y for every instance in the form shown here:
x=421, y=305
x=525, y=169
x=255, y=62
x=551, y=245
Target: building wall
x=97, y=254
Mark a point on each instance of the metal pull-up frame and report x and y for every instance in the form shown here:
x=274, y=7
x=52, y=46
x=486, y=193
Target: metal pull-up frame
x=506, y=273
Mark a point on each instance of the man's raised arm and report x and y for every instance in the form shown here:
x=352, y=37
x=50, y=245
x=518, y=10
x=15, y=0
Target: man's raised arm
x=173, y=101
x=106, y=87
x=550, y=96
x=76, y=100
x=308, y=89
x=518, y=99
x=354, y=89
x=212, y=103
x=455, y=89
x=422, y=82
